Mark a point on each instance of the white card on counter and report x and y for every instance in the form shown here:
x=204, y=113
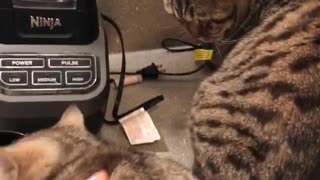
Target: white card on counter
x=140, y=128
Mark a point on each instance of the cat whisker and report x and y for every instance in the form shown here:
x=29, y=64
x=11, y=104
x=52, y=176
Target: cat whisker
x=217, y=48
x=229, y=41
x=184, y=35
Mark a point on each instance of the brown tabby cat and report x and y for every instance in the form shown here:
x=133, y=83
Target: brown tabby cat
x=68, y=152
x=258, y=117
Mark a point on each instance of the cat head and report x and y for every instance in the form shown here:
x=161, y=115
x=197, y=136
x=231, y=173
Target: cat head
x=42, y=155
x=210, y=20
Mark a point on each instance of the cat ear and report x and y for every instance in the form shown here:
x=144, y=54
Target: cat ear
x=168, y=6
x=8, y=168
x=72, y=117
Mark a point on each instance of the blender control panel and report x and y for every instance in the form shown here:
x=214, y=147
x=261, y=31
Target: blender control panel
x=41, y=74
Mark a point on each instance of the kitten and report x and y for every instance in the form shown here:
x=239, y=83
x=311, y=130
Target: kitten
x=68, y=152
x=258, y=117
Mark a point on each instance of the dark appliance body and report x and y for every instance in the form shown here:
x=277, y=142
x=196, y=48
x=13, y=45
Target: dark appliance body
x=52, y=54
x=48, y=21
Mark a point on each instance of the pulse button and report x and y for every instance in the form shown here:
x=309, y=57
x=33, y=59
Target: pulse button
x=14, y=78
x=69, y=62
x=46, y=78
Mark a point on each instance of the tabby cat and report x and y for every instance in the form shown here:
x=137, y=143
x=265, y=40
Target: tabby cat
x=258, y=117
x=68, y=152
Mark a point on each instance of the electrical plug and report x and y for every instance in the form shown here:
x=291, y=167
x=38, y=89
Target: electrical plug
x=150, y=72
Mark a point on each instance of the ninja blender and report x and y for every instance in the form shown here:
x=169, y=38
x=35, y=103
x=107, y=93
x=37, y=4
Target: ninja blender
x=52, y=54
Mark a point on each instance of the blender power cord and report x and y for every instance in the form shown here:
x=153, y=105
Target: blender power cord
x=152, y=71
x=146, y=105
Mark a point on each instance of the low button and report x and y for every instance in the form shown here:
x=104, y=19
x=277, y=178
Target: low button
x=78, y=77
x=46, y=78
x=13, y=78
x=70, y=62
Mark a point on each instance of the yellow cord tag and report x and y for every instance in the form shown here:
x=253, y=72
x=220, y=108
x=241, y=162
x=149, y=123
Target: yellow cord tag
x=203, y=54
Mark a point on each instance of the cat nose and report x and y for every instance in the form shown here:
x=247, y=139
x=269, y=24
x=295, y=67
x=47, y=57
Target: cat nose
x=204, y=33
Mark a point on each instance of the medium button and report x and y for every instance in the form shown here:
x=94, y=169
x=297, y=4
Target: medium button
x=78, y=77
x=46, y=78
x=14, y=78
x=70, y=62
x=22, y=62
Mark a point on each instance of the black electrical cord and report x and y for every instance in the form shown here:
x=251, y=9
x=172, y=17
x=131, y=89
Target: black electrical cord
x=146, y=105
x=166, y=73
x=183, y=73
x=165, y=45
x=116, y=106
x=150, y=103
x=191, y=47
x=127, y=73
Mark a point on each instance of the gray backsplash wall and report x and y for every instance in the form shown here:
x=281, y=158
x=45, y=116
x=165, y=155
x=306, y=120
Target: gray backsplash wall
x=144, y=23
